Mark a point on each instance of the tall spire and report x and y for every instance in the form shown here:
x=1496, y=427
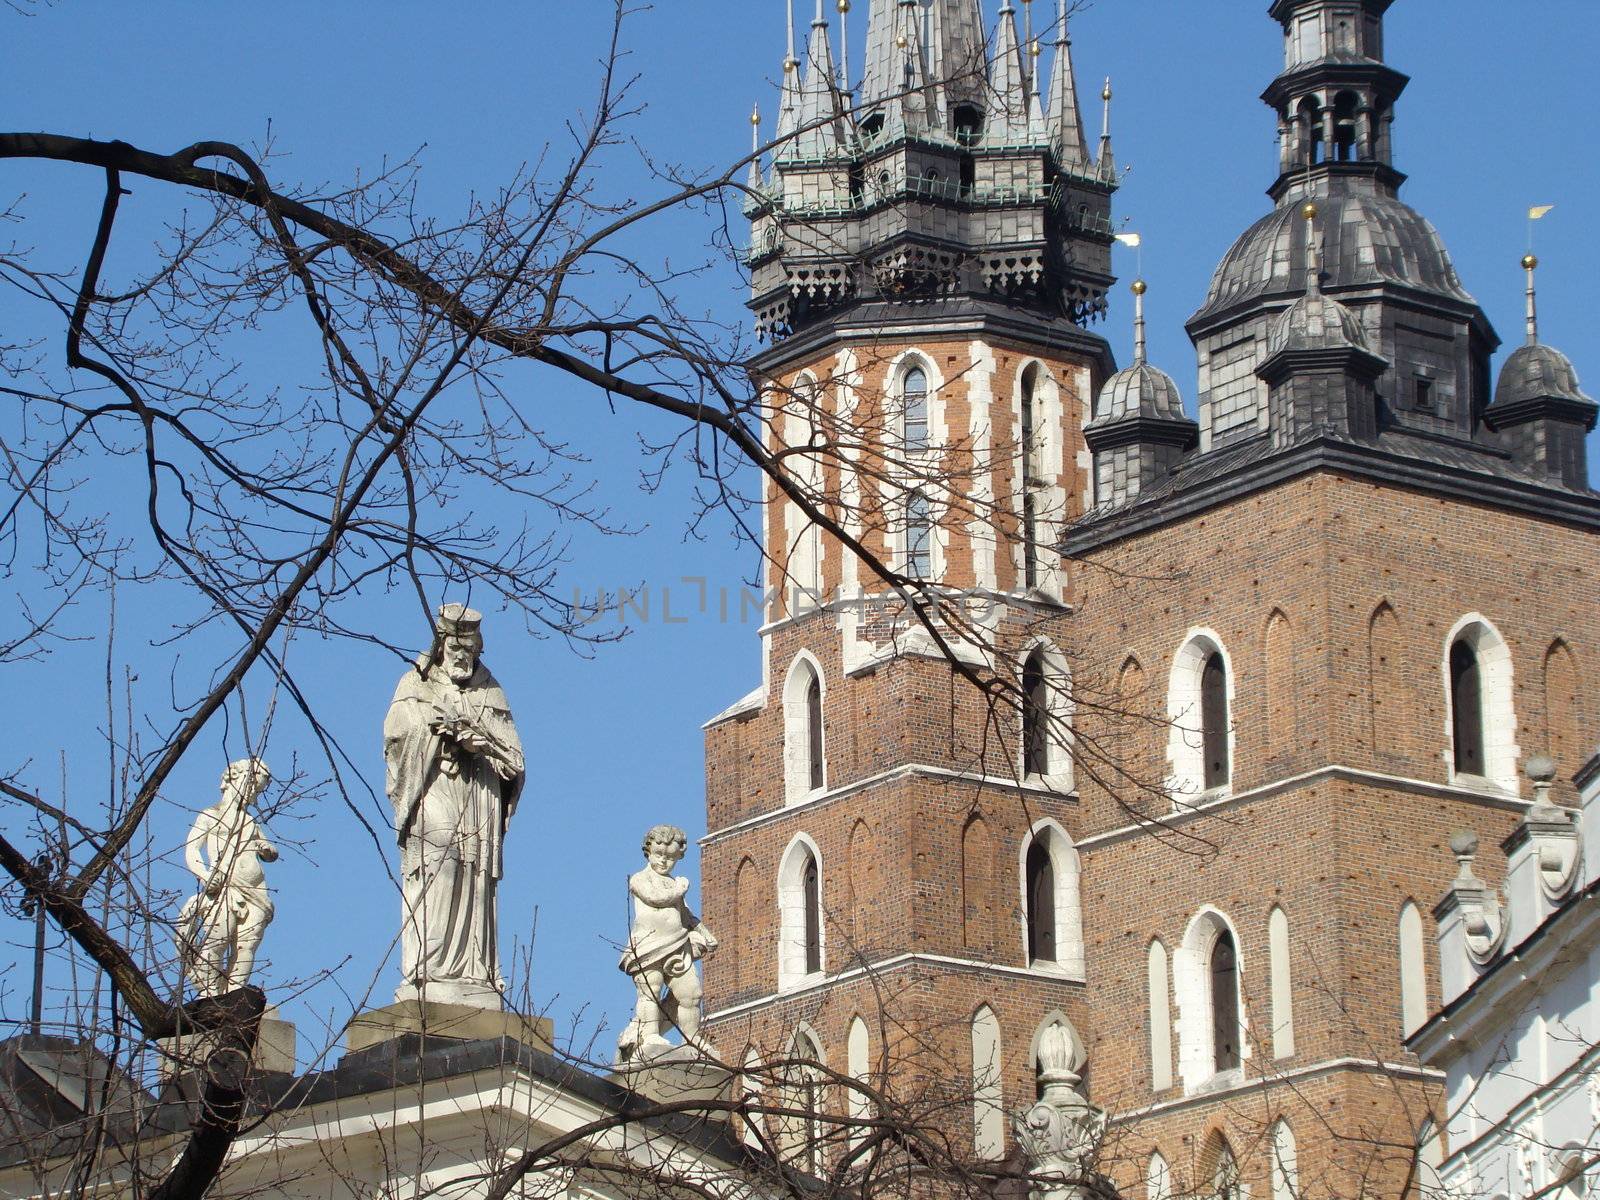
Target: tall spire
x=1008, y=84
x=819, y=132
x=1313, y=250
x=844, y=46
x=1066, y=126
x=788, y=91
x=1106, y=161
x=896, y=76
x=956, y=58
x=754, y=181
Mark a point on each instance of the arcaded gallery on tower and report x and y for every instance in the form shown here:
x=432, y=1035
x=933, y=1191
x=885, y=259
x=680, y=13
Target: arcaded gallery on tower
x=1255, y=666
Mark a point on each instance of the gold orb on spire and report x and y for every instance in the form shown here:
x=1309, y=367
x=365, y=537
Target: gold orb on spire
x=1529, y=262
x=755, y=116
x=844, y=7
x=1105, y=92
x=1035, y=49
x=901, y=41
x=1309, y=210
x=1138, y=287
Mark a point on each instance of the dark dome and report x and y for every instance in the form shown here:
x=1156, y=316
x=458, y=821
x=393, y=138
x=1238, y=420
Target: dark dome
x=1368, y=238
x=1315, y=322
x=1139, y=390
x=1535, y=372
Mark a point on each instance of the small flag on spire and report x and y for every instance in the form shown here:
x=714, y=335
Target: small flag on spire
x=1539, y=210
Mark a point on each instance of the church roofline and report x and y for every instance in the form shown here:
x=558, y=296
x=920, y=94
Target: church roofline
x=1251, y=473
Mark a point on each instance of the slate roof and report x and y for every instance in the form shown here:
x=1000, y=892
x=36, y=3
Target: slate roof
x=1537, y=372
x=1368, y=238
x=1139, y=390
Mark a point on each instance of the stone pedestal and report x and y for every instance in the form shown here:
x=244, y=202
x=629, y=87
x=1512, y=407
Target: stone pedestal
x=682, y=1073
x=275, y=1049
x=459, y=1022
x=473, y=993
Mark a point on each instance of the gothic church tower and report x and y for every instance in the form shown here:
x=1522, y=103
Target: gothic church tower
x=928, y=252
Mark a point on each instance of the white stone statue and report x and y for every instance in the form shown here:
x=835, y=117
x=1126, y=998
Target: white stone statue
x=663, y=945
x=454, y=772
x=220, y=927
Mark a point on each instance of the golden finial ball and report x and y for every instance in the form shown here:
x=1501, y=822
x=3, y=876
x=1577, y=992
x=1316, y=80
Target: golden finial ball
x=755, y=116
x=1138, y=287
x=1105, y=93
x=901, y=41
x=1036, y=49
x=1529, y=262
x=1309, y=211
x=844, y=7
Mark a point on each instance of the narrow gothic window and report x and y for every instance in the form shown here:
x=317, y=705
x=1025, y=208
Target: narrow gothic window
x=914, y=392
x=1224, y=1003
x=811, y=886
x=1225, y=1184
x=1041, y=894
x=919, y=537
x=814, y=731
x=1466, y=709
x=1030, y=481
x=1035, y=716
x=1214, y=720
x=807, y=1098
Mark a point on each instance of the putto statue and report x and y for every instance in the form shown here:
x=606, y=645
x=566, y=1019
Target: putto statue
x=663, y=945
x=455, y=770
x=220, y=927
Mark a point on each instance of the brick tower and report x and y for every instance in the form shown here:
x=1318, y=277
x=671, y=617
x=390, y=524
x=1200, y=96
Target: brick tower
x=925, y=263
x=1366, y=595
x=1291, y=647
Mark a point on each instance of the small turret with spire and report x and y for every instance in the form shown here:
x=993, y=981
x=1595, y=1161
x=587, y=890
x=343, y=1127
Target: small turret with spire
x=1139, y=430
x=1539, y=412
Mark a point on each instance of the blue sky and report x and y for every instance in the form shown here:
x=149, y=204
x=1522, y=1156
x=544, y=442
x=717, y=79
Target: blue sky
x=1495, y=120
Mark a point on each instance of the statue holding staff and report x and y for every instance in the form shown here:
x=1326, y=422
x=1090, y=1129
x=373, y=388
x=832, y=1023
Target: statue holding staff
x=454, y=773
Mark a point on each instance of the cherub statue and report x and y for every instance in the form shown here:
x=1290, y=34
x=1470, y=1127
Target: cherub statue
x=221, y=926
x=663, y=945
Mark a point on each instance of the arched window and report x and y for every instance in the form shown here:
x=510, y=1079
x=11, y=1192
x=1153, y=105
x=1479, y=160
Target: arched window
x=1046, y=702
x=1413, y=974
x=1052, y=908
x=1041, y=904
x=1199, y=709
x=919, y=536
x=863, y=877
x=742, y=967
x=1211, y=1017
x=1285, y=1166
x=1481, y=721
x=1282, y=988
x=802, y=1128
x=1035, y=716
x=988, y=1108
x=804, y=751
x=914, y=400
x=1214, y=720
x=1466, y=707
x=1387, y=708
x=1562, y=695
x=1225, y=1181
x=977, y=885
x=1224, y=1003
x=1308, y=126
x=1157, y=1178
x=1157, y=973
x=801, y=934
x=1282, y=687
x=858, y=1064
x=1345, y=105
x=1028, y=470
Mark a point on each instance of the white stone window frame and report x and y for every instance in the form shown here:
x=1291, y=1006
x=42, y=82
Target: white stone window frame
x=1281, y=980
x=858, y=1064
x=902, y=477
x=1191, y=978
x=1497, y=694
x=1058, y=728
x=1412, y=949
x=797, y=787
x=803, y=545
x=1051, y=511
x=988, y=1076
x=1186, y=754
x=792, y=973
x=1066, y=871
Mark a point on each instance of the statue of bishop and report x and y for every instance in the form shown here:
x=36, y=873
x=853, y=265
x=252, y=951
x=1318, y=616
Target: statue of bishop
x=454, y=772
